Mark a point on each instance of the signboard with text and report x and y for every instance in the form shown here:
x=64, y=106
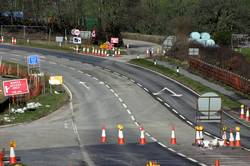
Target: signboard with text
x=114, y=40
x=33, y=60
x=55, y=80
x=15, y=87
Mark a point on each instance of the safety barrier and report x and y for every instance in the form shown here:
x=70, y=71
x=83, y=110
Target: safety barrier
x=234, y=80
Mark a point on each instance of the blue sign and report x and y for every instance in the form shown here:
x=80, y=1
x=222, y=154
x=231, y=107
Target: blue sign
x=33, y=59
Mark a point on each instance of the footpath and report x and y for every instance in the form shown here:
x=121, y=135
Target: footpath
x=235, y=114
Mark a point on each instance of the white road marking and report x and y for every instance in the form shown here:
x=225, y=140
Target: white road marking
x=133, y=118
x=192, y=160
x=80, y=71
x=107, y=86
x=146, y=89
x=136, y=123
x=95, y=78
x=84, y=84
x=107, y=70
x=88, y=75
x=125, y=77
x=154, y=139
x=129, y=112
x=116, y=95
x=207, y=133
x=159, y=99
x=139, y=84
x=175, y=111
x=172, y=150
x=120, y=99
x=112, y=90
x=162, y=144
x=53, y=63
x=190, y=123
x=72, y=68
x=166, y=104
x=124, y=105
x=101, y=82
x=180, y=154
x=182, y=117
x=165, y=88
x=116, y=73
x=147, y=134
x=132, y=80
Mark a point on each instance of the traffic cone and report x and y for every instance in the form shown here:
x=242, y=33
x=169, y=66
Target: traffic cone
x=231, y=138
x=242, y=113
x=197, y=135
x=103, y=137
x=247, y=115
x=121, y=140
x=142, y=140
x=1, y=158
x=1, y=40
x=173, y=138
x=217, y=163
x=224, y=136
x=201, y=134
x=237, y=137
x=12, y=159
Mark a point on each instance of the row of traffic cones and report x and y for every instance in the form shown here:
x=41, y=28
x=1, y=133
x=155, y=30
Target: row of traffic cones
x=243, y=115
x=101, y=52
x=199, y=135
x=142, y=139
x=232, y=142
x=13, y=40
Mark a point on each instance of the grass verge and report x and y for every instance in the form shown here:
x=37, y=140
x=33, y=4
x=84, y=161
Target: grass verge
x=196, y=86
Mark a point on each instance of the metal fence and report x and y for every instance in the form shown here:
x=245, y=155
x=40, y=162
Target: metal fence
x=234, y=80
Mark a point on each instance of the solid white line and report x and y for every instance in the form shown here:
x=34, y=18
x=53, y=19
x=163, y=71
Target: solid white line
x=175, y=111
x=124, y=105
x=192, y=160
x=162, y=144
x=166, y=104
x=180, y=154
x=182, y=117
x=207, y=133
x=172, y=150
x=146, y=89
x=147, y=134
x=129, y=112
x=154, y=139
x=201, y=164
x=190, y=123
x=120, y=99
x=139, y=84
x=159, y=99
x=133, y=118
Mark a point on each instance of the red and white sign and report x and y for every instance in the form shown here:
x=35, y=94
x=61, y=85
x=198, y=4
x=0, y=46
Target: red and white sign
x=77, y=32
x=93, y=34
x=114, y=40
x=15, y=87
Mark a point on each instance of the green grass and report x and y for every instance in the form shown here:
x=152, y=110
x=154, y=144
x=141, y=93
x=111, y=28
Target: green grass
x=246, y=52
x=54, y=101
x=196, y=86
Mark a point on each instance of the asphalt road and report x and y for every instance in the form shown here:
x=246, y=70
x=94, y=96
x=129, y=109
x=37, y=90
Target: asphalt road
x=98, y=107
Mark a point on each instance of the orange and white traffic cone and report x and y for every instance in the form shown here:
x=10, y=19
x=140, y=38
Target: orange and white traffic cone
x=197, y=135
x=224, y=136
x=173, y=138
x=231, y=138
x=1, y=40
x=237, y=137
x=12, y=159
x=142, y=140
x=247, y=116
x=201, y=134
x=121, y=140
x=242, y=113
x=217, y=163
x=1, y=158
x=103, y=137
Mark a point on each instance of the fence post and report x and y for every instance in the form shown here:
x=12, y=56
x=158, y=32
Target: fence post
x=49, y=34
x=24, y=32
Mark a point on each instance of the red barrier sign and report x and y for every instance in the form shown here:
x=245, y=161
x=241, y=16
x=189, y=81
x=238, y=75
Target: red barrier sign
x=15, y=87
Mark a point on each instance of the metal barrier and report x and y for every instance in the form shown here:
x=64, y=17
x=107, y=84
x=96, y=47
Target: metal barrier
x=234, y=80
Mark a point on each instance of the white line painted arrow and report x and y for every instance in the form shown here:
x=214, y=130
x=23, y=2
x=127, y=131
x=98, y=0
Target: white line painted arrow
x=165, y=88
x=84, y=84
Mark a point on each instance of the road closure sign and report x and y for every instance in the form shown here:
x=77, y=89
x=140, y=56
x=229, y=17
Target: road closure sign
x=114, y=40
x=15, y=87
x=55, y=80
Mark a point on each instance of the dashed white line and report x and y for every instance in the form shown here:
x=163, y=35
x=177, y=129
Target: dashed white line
x=139, y=84
x=112, y=90
x=154, y=139
x=182, y=117
x=72, y=68
x=175, y=111
x=107, y=70
x=159, y=99
x=146, y=89
x=124, y=105
x=207, y=133
x=136, y=123
x=125, y=77
x=162, y=144
x=129, y=112
x=116, y=95
x=166, y=104
x=101, y=82
x=88, y=75
x=80, y=71
x=120, y=99
x=107, y=86
x=147, y=134
x=133, y=118
x=192, y=160
x=190, y=123
x=53, y=63
x=116, y=73
x=201, y=164
x=132, y=80
x=95, y=78
x=180, y=154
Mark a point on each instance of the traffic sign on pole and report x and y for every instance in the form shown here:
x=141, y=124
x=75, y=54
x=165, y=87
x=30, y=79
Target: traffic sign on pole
x=15, y=87
x=33, y=59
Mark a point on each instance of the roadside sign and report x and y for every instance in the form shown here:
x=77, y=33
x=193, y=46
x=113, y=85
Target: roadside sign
x=93, y=34
x=55, y=80
x=85, y=34
x=33, y=59
x=77, y=32
x=59, y=39
x=77, y=40
x=73, y=31
x=15, y=87
x=114, y=40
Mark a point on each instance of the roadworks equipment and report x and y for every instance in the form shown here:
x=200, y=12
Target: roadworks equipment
x=1, y=39
x=173, y=138
x=13, y=40
x=237, y=137
x=197, y=135
x=1, y=158
x=242, y=112
x=12, y=159
x=103, y=136
x=217, y=163
x=121, y=140
x=142, y=140
x=231, y=138
x=224, y=136
x=247, y=115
